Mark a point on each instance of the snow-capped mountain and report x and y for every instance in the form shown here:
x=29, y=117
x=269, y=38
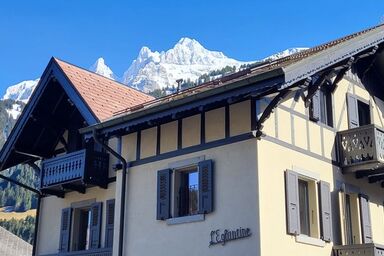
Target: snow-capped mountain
x=188, y=59
x=21, y=91
x=284, y=53
x=99, y=67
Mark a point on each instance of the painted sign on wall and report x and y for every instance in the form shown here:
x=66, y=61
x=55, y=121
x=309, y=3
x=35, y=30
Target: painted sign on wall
x=222, y=237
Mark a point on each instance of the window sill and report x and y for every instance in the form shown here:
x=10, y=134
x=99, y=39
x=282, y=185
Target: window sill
x=310, y=240
x=186, y=219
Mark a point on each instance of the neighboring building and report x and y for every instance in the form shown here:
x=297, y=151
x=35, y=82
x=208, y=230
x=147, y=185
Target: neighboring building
x=11, y=245
x=284, y=157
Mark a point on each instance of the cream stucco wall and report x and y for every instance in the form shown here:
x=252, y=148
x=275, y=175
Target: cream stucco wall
x=148, y=142
x=191, y=131
x=272, y=207
x=298, y=142
x=240, y=118
x=50, y=216
x=235, y=203
x=249, y=182
x=129, y=145
x=215, y=124
x=168, y=138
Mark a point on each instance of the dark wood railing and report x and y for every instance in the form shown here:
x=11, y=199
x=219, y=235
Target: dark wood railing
x=94, y=252
x=361, y=148
x=63, y=168
x=358, y=249
x=84, y=166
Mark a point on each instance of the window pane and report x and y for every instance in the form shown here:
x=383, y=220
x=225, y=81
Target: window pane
x=326, y=107
x=83, y=230
x=193, y=192
x=348, y=220
x=188, y=193
x=364, y=113
x=304, y=207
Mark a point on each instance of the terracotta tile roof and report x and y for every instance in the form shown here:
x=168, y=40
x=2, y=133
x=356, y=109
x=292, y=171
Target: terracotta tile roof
x=254, y=70
x=103, y=96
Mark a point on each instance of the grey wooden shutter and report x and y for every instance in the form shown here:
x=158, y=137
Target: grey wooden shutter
x=109, y=223
x=365, y=215
x=205, y=186
x=292, y=202
x=65, y=229
x=164, y=194
x=314, y=111
x=95, y=228
x=353, y=113
x=325, y=211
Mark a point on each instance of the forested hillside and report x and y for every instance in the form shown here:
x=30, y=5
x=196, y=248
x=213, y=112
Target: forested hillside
x=12, y=197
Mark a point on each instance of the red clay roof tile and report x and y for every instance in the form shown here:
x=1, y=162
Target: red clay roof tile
x=103, y=96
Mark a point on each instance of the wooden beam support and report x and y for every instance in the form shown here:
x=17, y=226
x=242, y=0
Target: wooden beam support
x=80, y=189
x=53, y=192
x=342, y=73
x=375, y=178
x=365, y=173
x=268, y=110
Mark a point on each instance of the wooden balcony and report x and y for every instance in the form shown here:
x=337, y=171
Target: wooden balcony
x=358, y=249
x=362, y=150
x=74, y=172
x=93, y=252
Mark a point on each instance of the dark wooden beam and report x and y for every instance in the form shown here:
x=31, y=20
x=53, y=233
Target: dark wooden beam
x=268, y=110
x=19, y=184
x=78, y=188
x=342, y=73
x=53, y=192
x=365, y=173
x=375, y=178
x=315, y=86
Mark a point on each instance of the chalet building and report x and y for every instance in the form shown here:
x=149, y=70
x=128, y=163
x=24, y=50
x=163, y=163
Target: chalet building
x=286, y=156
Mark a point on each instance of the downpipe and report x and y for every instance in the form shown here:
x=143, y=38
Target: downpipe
x=123, y=187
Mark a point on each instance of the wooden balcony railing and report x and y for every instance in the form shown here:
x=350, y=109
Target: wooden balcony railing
x=358, y=249
x=94, y=252
x=361, y=148
x=75, y=170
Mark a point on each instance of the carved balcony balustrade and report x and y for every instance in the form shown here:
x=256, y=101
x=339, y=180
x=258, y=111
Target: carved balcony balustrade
x=361, y=151
x=74, y=172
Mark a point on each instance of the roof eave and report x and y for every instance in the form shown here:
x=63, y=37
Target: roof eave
x=230, y=86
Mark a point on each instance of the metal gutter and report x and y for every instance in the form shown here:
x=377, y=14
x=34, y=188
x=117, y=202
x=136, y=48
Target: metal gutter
x=123, y=186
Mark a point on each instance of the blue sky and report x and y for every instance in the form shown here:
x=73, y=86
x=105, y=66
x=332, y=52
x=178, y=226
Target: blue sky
x=80, y=31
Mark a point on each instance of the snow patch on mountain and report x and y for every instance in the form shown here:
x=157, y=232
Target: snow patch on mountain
x=151, y=70
x=21, y=91
x=188, y=59
x=284, y=53
x=99, y=67
x=15, y=111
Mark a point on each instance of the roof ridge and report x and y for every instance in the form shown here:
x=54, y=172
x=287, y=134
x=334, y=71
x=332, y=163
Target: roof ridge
x=75, y=88
x=94, y=73
x=320, y=47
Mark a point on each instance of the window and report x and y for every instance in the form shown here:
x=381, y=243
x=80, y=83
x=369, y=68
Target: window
x=348, y=221
x=308, y=206
x=359, y=113
x=354, y=218
x=321, y=107
x=80, y=227
x=185, y=191
x=186, y=199
x=304, y=207
x=364, y=113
